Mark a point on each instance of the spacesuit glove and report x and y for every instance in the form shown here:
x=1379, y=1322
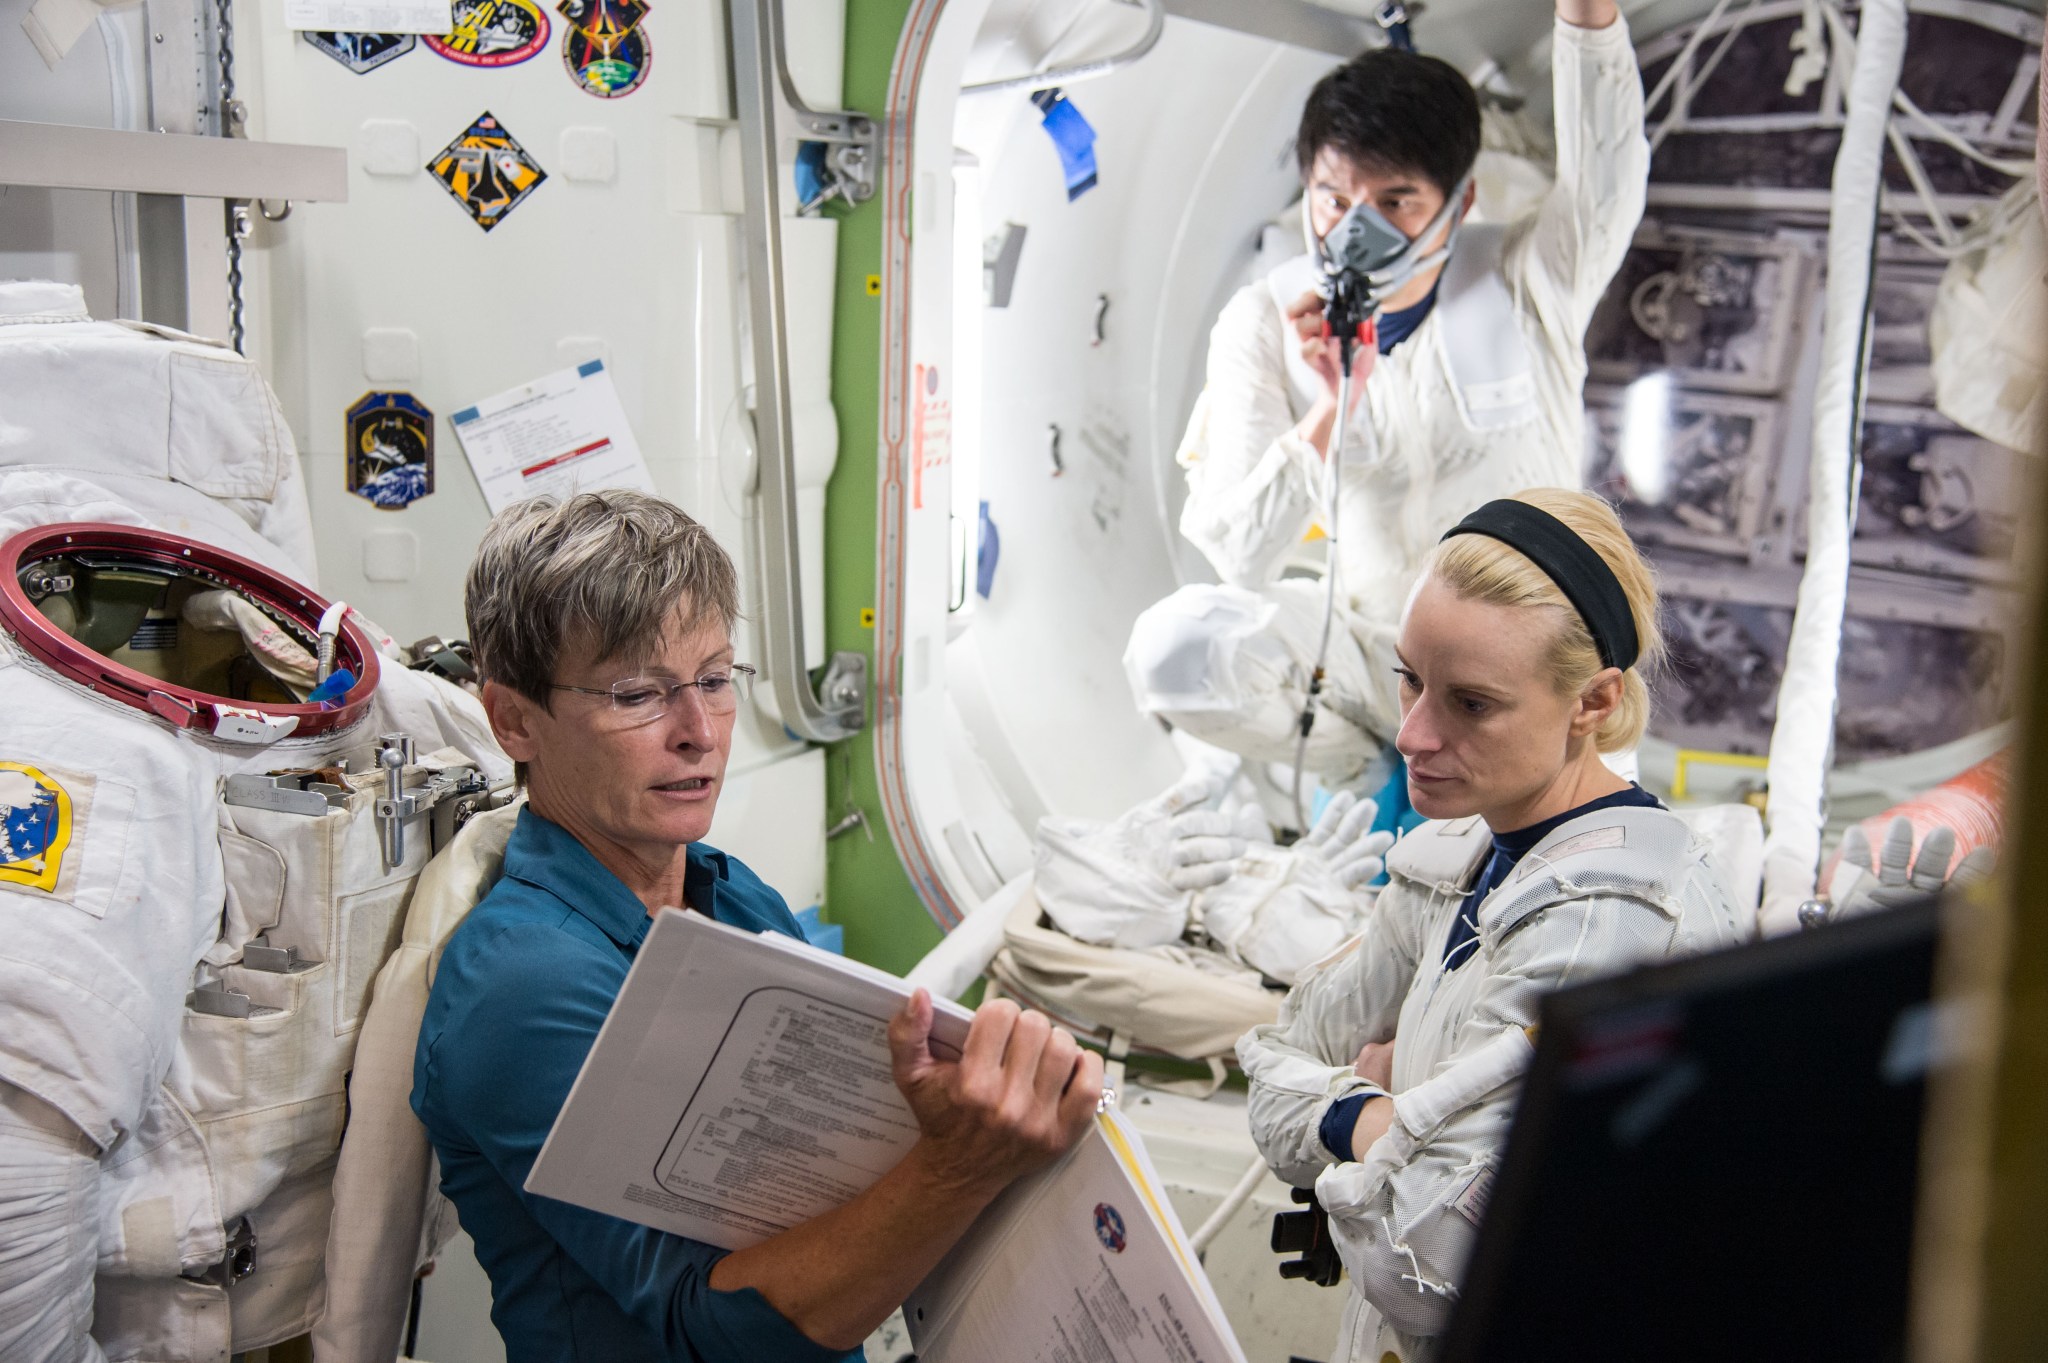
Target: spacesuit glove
x=1283, y=909
x=1344, y=840
x=1205, y=844
x=1865, y=883
x=1113, y=883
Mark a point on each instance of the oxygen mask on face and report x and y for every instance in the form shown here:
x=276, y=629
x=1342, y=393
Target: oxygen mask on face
x=1365, y=259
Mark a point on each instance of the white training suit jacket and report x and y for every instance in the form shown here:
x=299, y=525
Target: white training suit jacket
x=1427, y=443
x=1611, y=890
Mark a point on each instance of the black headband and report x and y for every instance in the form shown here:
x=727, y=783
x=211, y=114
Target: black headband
x=1574, y=565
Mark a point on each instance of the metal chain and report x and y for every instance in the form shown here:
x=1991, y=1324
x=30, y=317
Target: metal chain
x=232, y=116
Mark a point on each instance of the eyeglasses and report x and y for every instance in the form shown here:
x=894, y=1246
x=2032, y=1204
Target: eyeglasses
x=642, y=700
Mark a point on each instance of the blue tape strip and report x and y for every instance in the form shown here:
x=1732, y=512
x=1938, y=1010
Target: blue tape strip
x=809, y=171
x=464, y=416
x=988, y=553
x=1073, y=137
x=589, y=367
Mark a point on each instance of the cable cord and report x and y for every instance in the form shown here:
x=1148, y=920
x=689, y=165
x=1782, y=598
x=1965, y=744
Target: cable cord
x=1331, y=572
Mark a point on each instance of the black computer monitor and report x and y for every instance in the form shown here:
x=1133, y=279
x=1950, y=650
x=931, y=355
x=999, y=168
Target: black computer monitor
x=1716, y=1159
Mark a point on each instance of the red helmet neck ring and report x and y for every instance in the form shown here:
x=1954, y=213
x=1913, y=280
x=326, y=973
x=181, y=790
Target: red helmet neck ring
x=181, y=706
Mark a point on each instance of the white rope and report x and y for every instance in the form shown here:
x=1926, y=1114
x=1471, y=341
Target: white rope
x=1422, y=1284
x=1903, y=225
x=1916, y=175
x=1802, y=743
x=1949, y=137
x=1680, y=105
x=1685, y=54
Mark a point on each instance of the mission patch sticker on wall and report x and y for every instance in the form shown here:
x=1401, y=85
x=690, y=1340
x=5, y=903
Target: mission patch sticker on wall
x=487, y=171
x=363, y=52
x=493, y=33
x=390, y=449
x=604, y=47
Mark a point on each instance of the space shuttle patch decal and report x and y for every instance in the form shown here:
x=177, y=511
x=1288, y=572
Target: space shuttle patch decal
x=390, y=449
x=487, y=171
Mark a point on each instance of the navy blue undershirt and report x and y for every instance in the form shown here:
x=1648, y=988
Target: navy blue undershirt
x=1396, y=327
x=1462, y=941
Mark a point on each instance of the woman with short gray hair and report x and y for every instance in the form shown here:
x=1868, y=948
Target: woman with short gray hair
x=603, y=631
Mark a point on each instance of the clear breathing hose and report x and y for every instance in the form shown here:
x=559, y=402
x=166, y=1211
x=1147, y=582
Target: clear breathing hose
x=1331, y=572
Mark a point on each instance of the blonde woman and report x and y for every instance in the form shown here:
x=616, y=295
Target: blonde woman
x=1389, y=1079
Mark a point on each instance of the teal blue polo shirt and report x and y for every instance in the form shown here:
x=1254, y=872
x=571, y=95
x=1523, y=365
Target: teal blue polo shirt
x=522, y=989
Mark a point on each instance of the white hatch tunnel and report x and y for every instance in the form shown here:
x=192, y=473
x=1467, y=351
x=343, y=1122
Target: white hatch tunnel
x=1044, y=356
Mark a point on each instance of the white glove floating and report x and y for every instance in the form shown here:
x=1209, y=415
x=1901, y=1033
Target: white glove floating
x=1118, y=883
x=1343, y=838
x=1283, y=909
x=1207, y=844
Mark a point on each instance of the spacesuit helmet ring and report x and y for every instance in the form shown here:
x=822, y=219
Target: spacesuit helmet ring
x=101, y=605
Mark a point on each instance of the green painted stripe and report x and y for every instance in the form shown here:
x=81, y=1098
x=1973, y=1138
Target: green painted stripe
x=866, y=890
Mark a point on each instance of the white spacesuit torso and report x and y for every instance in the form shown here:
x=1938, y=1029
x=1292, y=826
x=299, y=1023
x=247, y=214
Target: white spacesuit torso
x=187, y=940
x=1613, y=889
x=1483, y=399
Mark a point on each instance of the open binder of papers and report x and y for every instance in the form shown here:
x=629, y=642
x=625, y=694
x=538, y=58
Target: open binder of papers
x=742, y=1086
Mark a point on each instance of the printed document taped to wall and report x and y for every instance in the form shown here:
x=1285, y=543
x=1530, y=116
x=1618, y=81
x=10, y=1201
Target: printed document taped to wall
x=559, y=435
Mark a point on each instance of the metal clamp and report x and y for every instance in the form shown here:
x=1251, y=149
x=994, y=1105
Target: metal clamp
x=394, y=755
x=852, y=141
x=844, y=687
x=237, y=1263
x=261, y=955
x=215, y=999
x=399, y=802
x=287, y=793
x=40, y=580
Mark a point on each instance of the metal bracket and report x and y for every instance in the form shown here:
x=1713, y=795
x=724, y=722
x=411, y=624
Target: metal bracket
x=237, y=1263
x=260, y=955
x=302, y=793
x=399, y=802
x=217, y=1000
x=40, y=581
x=843, y=690
x=852, y=140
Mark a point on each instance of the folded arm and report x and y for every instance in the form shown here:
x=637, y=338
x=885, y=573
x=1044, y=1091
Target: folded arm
x=1405, y=1215
x=1301, y=1064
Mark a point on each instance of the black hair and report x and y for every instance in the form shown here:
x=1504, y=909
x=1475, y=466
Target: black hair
x=1393, y=110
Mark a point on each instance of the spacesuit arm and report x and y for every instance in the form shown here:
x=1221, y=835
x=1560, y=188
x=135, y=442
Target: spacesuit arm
x=1405, y=1216
x=49, y=1179
x=1250, y=477
x=1302, y=1063
x=1565, y=258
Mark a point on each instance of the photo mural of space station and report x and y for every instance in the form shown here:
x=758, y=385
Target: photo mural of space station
x=1703, y=361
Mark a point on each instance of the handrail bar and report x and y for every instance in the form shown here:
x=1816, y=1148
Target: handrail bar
x=1155, y=24
x=757, y=67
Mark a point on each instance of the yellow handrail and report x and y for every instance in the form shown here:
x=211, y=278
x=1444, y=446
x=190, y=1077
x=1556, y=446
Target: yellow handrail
x=1688, y=756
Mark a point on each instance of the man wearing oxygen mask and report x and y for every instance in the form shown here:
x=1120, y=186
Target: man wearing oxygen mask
x=1465, y=384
